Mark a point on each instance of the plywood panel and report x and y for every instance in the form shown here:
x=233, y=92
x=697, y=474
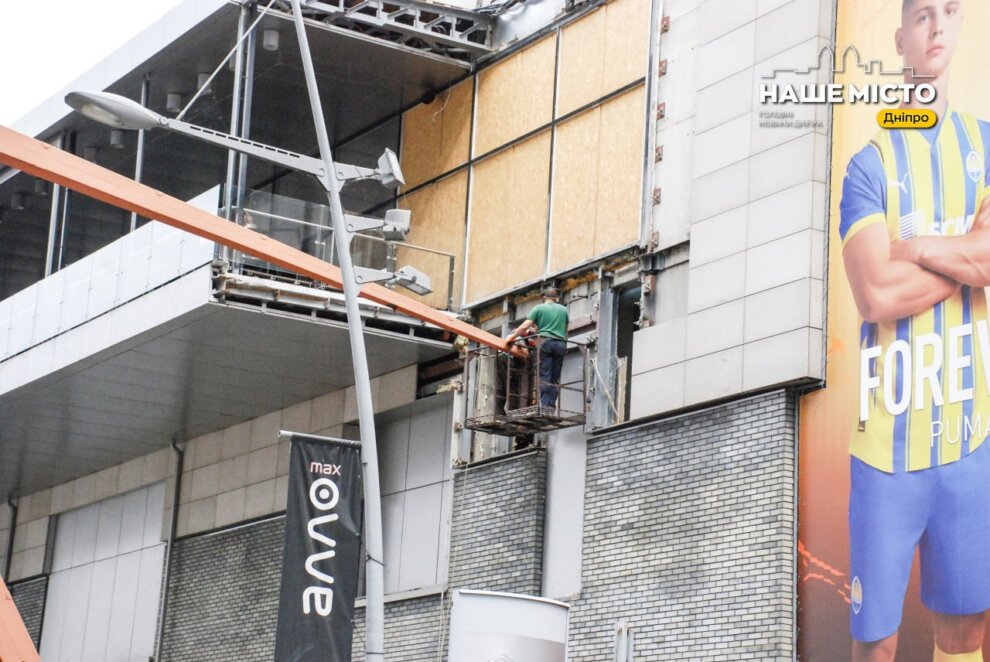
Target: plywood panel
x=620, y=183
x=515, y=96
x=436, y=136
x=603, y=52
x=597, y=180
x=507, y=243
x=438, y=220
x=575, y=189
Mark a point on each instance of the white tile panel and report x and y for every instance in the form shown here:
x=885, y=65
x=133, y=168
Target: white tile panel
x=722, y=145
x=776, y=360
x=717, y=282
x=65, y=540
x=108, y=529
x=98, y=610
x=6, y=313
x=783, y=213
x=779, y=310
x=778, y=262
x=74, y=630
x=446, y=515
x=104, y=279
x=720, y=191
x=782, y=167
x=122, y=606
x=719, y=236
x=135, y=261
x=714, y=329
x=713, y=376
x=726, y=55
x=791, y=24
x=132, y=521
x=154, y=515
x=657, y=391
x=393, y=444
x=23, y=307
x=146, y=609
x=50, y=294
x=56, y=604
x=725, y=100
x=427, y=448
x=84, y=548
x=166, y=253
x=421, y=537
x=393, y=512
x=718, y=17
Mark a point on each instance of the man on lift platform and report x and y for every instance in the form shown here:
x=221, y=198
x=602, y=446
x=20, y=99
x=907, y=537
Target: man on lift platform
x=550, y=321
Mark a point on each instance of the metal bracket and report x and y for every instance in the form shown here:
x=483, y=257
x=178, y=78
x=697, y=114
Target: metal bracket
x=661, y=111
x=363, y=275
x=659, y=154
x=665, y=24
x=362, y=223
x=662, y=69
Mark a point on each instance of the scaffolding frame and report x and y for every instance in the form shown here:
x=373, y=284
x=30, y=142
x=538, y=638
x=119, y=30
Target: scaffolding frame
x=435, y=28
x=516, y=409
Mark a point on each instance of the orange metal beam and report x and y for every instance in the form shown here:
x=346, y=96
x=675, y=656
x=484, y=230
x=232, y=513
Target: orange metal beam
x=46, y=162
x=15, y=642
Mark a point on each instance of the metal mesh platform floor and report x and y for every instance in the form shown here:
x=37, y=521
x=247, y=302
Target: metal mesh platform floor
x=527, y=420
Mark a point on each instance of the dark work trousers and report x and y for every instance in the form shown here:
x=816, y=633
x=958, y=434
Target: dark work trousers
x=551, y=362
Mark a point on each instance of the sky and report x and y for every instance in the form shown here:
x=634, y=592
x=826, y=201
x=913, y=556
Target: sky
x=49, y=43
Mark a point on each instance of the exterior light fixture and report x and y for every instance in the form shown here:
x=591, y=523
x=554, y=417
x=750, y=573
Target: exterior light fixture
x=114, y=110
x=173, y=102
x=117, y=138
x=413, y=280
x=17, y=201
x=270, y=39
x=396, y=226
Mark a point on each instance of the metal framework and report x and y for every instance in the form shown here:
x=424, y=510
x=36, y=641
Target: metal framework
x=435, y=28
x=505, y=393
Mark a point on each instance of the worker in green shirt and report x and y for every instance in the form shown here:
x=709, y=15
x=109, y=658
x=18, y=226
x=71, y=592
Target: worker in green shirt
x=550, y=320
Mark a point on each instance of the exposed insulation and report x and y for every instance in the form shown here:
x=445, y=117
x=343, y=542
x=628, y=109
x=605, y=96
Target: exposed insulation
x=515, y=96
x=507, y=242
x=436, y=136
x=597, y=180
x=602, y=52
x=438, y=219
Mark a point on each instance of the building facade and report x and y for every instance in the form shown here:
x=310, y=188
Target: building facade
x=617, y=149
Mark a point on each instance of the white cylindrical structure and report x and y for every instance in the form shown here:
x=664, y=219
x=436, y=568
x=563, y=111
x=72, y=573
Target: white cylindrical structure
x=486, y=625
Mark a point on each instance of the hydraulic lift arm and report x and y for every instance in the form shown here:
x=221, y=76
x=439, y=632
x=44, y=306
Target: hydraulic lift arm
x=52, y=164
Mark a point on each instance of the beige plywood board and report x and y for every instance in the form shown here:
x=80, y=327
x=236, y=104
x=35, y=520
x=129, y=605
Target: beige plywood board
x=438, y=222
x=620, y=184
x=597, y=180
x=603, y=52
x=575, y=189
x=507, y=236
x=515, y=96
x=436, y=137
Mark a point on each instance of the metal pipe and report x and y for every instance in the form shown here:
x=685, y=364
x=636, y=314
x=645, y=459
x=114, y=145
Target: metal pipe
x=246, y=115
x=65, y=211
x=10, y=537
x=139, y=157
x=53, y=220
x=172, y=526
x=235, y=121
x=375, y=570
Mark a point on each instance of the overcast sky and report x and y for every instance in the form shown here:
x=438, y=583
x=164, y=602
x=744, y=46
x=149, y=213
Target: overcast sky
x=49, y=43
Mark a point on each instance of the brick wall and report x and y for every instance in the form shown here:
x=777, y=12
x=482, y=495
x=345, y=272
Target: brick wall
x=29, y=597
x=689, y=536
x=223, y=595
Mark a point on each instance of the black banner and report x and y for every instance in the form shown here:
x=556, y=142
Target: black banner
x=321, y=558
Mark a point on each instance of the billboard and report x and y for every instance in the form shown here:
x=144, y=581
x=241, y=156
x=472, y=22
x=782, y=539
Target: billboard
x=894, y=510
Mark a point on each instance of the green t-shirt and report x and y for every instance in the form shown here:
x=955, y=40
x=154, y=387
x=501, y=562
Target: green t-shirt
x=551, y=320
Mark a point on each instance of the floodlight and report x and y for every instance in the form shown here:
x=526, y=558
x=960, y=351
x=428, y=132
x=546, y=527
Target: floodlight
x=389, y=171
x=113, y=110
x=413, y=280
x=396, y=226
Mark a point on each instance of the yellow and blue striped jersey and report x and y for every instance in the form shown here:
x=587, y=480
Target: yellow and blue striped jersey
x=923, y=396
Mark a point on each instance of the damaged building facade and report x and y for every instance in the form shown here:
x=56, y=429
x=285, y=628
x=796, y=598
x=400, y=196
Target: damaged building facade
x=613, y=149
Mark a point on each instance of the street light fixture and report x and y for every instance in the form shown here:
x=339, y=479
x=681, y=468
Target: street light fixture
x=122, y=113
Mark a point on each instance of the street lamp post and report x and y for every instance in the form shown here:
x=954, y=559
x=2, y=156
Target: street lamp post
x=123, y=113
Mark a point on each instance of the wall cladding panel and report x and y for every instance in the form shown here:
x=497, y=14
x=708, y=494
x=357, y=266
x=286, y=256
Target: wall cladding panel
x=436, y=136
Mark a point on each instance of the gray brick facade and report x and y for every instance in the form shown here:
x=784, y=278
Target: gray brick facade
x=689, y=536
x=29, y=596
x=223, y=594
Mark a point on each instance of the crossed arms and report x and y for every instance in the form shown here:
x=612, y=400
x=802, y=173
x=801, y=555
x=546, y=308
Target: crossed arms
x=892, y=280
